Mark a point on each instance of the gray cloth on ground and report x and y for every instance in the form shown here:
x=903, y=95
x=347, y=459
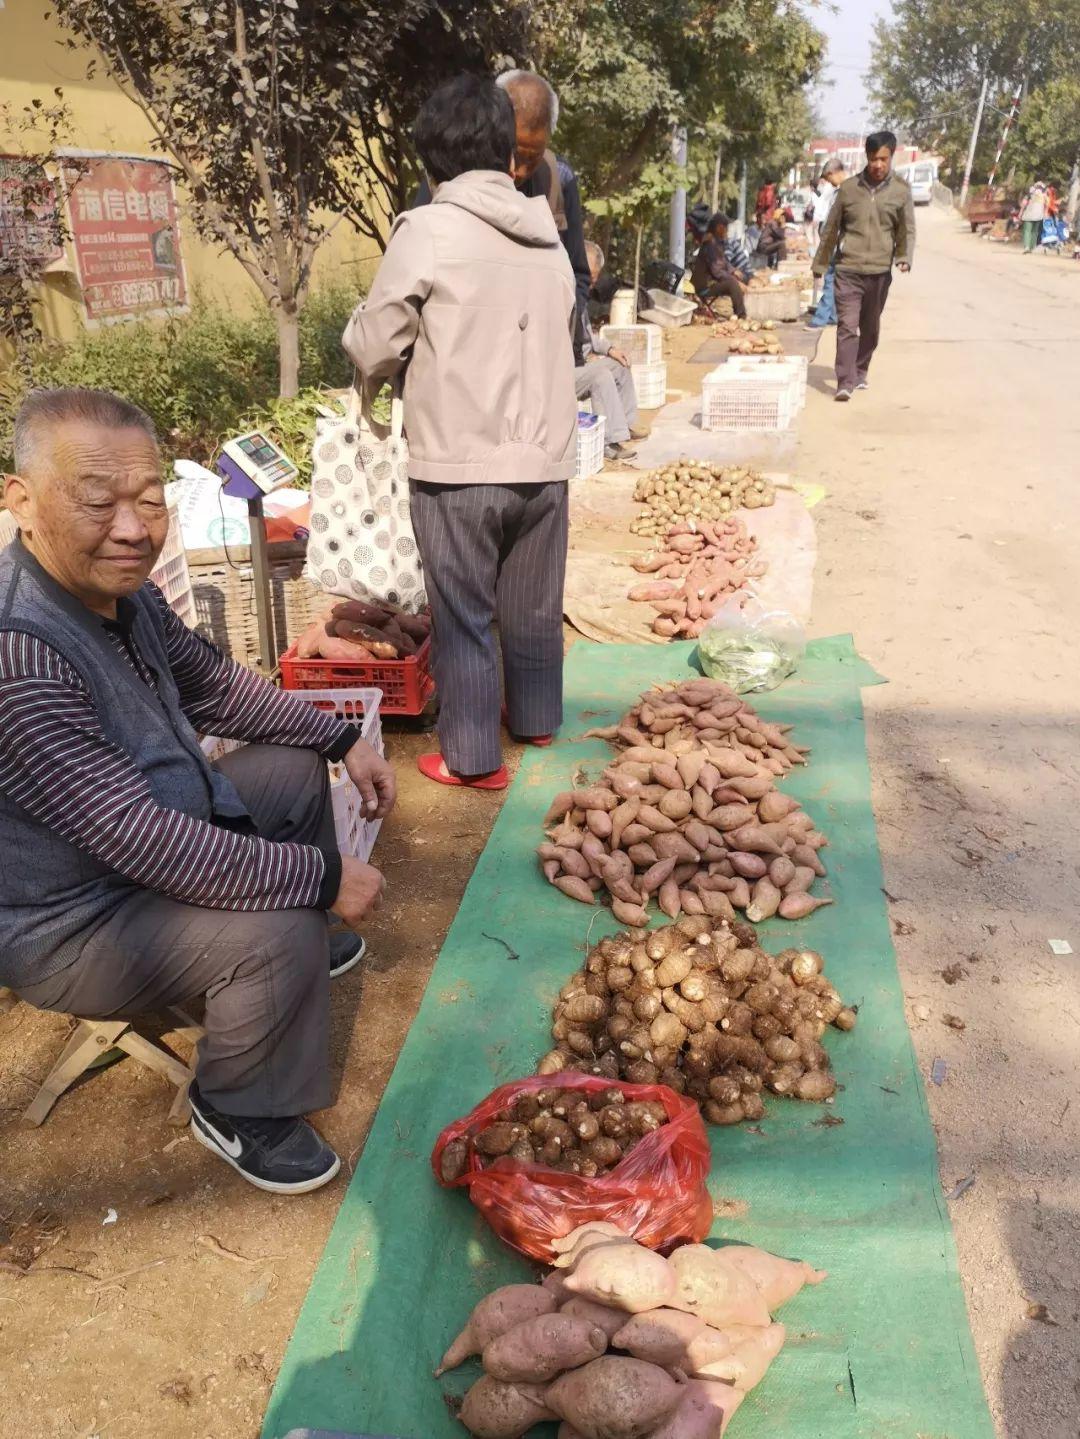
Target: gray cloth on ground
x=610, y=388
x=265, y=977
x=493, y=552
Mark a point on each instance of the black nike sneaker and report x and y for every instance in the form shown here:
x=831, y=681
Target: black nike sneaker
x=284, y=1156
x=347, y=949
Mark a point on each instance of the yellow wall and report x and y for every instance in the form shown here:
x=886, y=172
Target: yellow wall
x=33, y=62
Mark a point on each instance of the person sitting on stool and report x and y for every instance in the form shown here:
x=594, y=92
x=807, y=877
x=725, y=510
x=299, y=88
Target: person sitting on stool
x=713, y=274
x=606, y=380
x=136, y=875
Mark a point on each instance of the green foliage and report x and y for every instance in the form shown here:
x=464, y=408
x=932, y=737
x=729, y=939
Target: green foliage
x=197, y=375
x=626, y=70
x=929, y=62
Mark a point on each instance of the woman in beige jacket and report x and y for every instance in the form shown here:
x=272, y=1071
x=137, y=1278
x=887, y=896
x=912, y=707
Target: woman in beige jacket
x=474, y=304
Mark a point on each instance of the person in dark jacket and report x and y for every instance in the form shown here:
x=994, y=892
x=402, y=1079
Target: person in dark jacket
x=773, y=241
x=539, y=171
x=713, y=274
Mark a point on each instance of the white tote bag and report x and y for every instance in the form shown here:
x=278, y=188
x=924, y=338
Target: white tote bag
x=362, y=544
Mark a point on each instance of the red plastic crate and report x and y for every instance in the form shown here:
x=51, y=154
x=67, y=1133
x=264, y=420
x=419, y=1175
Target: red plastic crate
x=407, y=685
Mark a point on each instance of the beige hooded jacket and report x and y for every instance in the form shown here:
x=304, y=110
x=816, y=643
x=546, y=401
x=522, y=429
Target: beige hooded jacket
x=474, y=300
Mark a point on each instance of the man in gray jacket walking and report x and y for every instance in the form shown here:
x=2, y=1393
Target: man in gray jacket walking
x=872, y=225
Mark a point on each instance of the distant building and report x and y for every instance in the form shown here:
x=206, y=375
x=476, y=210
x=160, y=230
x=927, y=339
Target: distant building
x=851, y=152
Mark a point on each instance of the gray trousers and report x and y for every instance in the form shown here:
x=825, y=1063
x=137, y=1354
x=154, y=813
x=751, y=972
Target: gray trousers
x=860, y=300
x=610, y=387
x=493, y=552
x=265, y=977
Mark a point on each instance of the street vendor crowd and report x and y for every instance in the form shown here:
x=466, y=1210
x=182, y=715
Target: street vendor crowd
x=137, y=874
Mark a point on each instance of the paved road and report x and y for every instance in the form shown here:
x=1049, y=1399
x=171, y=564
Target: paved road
x=947, y=545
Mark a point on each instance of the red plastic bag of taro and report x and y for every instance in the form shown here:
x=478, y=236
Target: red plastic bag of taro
x=656, y=1192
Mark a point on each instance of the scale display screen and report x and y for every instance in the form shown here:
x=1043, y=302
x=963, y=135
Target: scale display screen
x=259, y=448
x=252, y=460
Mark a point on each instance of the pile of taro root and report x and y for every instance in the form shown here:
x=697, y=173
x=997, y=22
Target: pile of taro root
x=353, y=630
x=700, y=563
x=696, y=490
x=579, y=1132
x=689, y=813
x=700, y=1007
x=749, y=337
x=618, y=1342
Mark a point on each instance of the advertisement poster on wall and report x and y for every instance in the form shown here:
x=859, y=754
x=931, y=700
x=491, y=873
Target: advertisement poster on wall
x=124, y=230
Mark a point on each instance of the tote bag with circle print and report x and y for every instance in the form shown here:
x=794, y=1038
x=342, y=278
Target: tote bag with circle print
x=362, y=544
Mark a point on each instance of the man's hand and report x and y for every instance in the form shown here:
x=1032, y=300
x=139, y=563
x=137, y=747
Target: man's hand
x=373, y=777
x=619, y=358
x=360, y=893
x=903, y=267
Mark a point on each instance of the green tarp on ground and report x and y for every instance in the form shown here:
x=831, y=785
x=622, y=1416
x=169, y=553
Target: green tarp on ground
x=881, y=1349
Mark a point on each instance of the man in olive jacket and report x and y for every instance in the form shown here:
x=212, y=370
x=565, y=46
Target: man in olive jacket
x=872, y=223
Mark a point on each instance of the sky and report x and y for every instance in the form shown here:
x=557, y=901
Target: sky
x=843, y=103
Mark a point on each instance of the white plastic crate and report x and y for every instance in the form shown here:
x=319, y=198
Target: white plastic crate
x=355, y=834
x=731, y=399
x=671, y=310
x=650, y=385
x=796, y=366
x=641, y=344
x=775, y=303
x=590, y=444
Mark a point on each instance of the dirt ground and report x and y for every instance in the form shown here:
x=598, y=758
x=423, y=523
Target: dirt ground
x=944, y=546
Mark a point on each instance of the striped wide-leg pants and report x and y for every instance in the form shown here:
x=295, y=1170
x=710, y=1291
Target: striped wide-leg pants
x=493, y=552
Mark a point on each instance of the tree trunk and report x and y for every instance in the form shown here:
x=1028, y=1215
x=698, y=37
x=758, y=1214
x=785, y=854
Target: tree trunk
x=1073, y=203
x=288, y=325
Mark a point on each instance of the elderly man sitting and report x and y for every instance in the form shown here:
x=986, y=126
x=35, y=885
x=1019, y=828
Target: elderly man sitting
x=606, y=381
x=135, y=874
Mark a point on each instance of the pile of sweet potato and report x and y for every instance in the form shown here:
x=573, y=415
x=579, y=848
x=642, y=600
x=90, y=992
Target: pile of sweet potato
x=618, y=1342
x=701, y=1007
x=354, y=630
x=688, y=813
x=565, y=1129
x=697, y=490
x=750, y=337
x=699, y=563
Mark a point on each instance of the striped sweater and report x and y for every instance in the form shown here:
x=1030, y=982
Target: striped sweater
x=57, y=765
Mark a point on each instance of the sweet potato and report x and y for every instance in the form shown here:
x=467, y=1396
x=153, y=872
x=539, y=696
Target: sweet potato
x=535, y=1351
x=654, y=590
x=497, y=1313
x=778, y=1279
x=626, y=1276
x=714, y=1289
x=704, y=1411
x=751, y=1355
x=359, y=613
x=494, y=1410
x=660, y=1336
x=575, y=889
x=799, y=906
x=764, y=902
x=614, y=1398
x=599, y=1315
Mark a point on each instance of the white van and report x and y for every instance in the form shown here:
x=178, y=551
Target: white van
x=921, y=176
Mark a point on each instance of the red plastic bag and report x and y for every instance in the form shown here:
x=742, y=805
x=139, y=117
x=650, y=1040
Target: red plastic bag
x=657, y=1193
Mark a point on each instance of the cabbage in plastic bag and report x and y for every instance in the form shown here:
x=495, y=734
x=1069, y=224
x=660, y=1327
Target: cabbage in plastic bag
x=750, y=647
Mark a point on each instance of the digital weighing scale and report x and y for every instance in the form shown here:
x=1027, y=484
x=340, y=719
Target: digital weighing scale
x=250, y=467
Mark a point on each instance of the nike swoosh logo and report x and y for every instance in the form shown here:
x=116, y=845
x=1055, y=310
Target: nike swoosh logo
x=232, y=1147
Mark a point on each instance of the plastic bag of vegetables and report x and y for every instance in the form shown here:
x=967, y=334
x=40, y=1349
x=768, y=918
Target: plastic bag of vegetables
x=750, y=646
x=654, y=1190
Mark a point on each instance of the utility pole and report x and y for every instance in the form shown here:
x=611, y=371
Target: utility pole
x=974, y=141
x=742, y=199
x=677, y=231
x=716, y=178
x=1009, y=121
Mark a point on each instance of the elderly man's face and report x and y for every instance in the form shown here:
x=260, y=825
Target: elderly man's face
x=528, y=152
x=92, y=510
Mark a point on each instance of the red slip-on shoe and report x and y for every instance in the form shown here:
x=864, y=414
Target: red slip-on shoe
x=540, y=741
x=433, y=766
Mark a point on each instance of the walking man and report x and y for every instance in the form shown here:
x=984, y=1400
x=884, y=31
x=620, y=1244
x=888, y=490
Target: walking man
x=870, y=228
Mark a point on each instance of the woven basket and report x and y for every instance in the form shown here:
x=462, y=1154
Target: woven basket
x=224, y=589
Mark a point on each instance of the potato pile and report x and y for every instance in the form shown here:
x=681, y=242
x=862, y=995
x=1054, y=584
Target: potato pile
x=353, y=630
x=750, y=337
x=620, y=1343
x=697, y=489
x=565, y=1129
x=688, y=812
x=700, y=1007
x=699, y=564
x=786, y=280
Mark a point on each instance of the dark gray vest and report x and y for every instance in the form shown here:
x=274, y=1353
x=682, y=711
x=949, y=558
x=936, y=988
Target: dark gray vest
x=51, y=891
